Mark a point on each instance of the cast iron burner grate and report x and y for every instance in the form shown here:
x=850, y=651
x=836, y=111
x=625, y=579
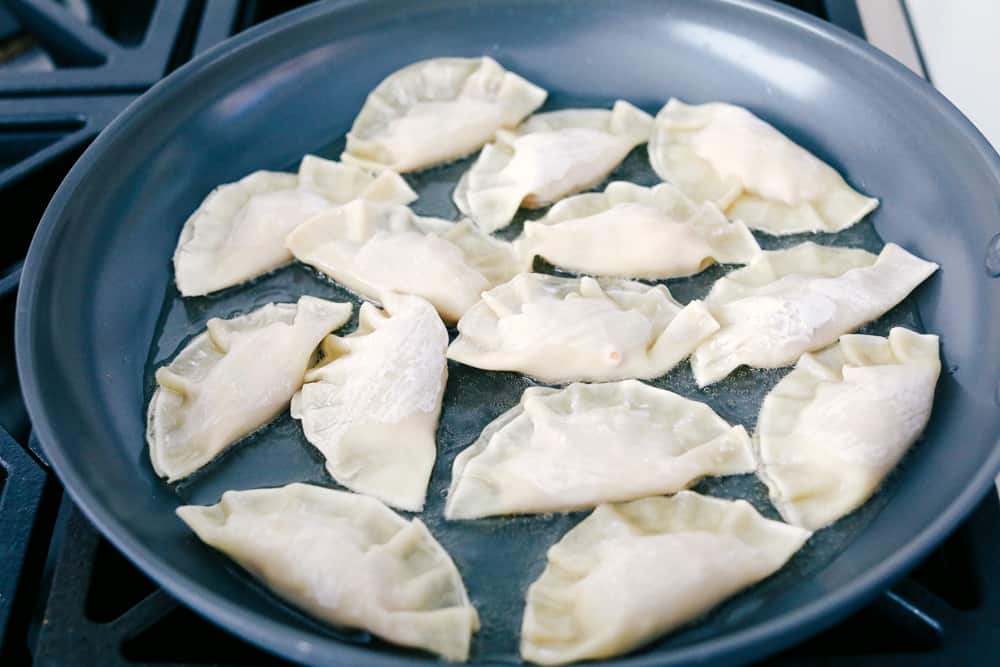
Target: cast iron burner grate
x=67, y=597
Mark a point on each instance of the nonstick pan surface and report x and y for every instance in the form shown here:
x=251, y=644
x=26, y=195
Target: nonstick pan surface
x=97, y=308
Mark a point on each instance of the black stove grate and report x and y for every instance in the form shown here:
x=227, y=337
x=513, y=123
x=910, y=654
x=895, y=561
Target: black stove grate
x=99, y=609
x=67, y=597
x=98, y=46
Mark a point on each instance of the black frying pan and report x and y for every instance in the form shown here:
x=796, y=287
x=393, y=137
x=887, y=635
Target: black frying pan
x=97, y=308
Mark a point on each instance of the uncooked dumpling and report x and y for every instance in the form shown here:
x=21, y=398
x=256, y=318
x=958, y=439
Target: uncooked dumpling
x=724, y=154
x=566, y=449
x=834, y=427
x=371, y=406
x=345, y=559
x=233, y=379
x=437, y=110
x=567, y=329
x=373, y=249
x=239, y=231
x=548, y=157
x=800, y=299
x=629, y=231
x=631, y=572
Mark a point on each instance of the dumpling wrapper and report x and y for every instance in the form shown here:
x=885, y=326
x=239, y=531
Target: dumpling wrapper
x=631, y=572
x=563, y=330
x=550, y=156
x=374, y=249
x=834, y=427
x=629, y=231
x=800, y=299
x=232, y=379
x=345, y=559
x=238, y=232
x=437, y=110
x=724, y=154
x=372, y=404
x=560, y=450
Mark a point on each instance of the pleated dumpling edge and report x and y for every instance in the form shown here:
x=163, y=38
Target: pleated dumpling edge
x=437, y=110
x=564, y=330
x=232, y=379
x=561, y=450
x=550, y=156
x=238, y=231
x=725, y=154
x=798, y=299
x=346, y=559
x=631, y=572
x=832, y=429
x=630, y=231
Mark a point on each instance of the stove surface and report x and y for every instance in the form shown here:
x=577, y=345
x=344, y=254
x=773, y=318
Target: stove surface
x=67, y=597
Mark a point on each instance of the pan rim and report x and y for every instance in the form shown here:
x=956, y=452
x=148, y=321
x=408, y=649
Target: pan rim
x=743, y=645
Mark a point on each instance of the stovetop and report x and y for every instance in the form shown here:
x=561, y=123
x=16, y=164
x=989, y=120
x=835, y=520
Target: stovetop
x=67, y=597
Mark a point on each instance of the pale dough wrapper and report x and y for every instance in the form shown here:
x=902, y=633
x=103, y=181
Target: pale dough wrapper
x=371, y=406
x=374, y=248
x=345, y=559
x=803, y=298
x=562, y=330
x=629, y=231
x=550, y=156
x=238, y=232
x=560, y=450
x=232, y=379
x=834, y=427
x=631, y=572
x=724, y=154
x=437, y=110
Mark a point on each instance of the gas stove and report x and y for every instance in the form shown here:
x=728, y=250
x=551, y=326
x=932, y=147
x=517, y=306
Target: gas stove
x=67, y=597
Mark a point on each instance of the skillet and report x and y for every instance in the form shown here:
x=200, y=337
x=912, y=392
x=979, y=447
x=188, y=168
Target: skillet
x=96, y=308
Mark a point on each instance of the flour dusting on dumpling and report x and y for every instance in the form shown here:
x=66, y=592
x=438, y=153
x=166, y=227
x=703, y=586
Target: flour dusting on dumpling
x=372, y=405
x=803, y=298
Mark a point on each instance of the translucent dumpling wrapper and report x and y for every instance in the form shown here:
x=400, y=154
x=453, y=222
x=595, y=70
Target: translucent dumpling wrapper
x=550, y=156
x=345, y=559
x=372, y=404
x=373, y=249
x=567, y=449
x=631, y=572
x=437, y=110
x=629, y=231
x=788, y=302
x=238, y=232
x=834, y=427
x=562, y=330
x=724, y=154
x=232, y=379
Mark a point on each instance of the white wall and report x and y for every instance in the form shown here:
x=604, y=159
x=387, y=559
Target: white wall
x=960, y=43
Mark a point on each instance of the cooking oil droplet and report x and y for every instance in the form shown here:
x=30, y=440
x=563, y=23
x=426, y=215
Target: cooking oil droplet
x=993, y=257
